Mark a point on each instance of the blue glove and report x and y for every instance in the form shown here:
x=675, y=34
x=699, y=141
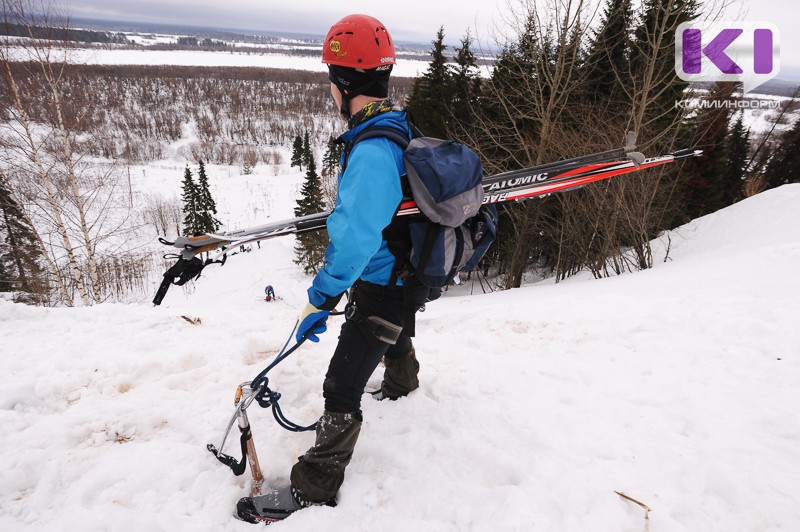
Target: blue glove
x=312, y=319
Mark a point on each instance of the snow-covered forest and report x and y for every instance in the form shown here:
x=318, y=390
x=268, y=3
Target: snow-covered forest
x=109, y=136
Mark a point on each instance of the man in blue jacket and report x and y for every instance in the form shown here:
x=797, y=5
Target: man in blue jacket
x=366, y=241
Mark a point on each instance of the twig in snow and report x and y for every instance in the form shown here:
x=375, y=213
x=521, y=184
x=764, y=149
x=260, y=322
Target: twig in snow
x=647, y=509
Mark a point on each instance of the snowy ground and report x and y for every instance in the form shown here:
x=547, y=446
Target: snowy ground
x=676, y=386
x=231, y=58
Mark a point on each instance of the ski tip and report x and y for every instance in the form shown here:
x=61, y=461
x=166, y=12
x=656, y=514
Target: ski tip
x=687, y=152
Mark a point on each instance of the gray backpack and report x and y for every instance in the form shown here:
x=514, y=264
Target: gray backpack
x=453, y=229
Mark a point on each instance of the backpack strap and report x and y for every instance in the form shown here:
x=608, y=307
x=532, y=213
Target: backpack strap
x=396, y=234
x=399, y=246
x=373, y=132
x=383, y=131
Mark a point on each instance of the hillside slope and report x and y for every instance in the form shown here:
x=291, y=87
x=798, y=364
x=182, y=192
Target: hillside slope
x=676, y=386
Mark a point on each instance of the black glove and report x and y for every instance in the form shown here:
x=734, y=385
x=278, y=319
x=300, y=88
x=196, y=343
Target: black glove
x=180, y=273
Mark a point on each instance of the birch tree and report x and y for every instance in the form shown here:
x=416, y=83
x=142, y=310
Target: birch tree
x=74, y=206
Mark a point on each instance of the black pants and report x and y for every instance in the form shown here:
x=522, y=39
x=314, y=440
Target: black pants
x=359, y=351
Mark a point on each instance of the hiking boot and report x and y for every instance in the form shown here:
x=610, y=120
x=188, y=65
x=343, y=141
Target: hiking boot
x=274, y=506
x=400, y=377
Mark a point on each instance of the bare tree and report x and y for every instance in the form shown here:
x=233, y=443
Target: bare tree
x=643, y=205
x=74, y=206
x=163, y=215
x=649, y=77
x=536, y=78
x=558, y=90
x=607, y=228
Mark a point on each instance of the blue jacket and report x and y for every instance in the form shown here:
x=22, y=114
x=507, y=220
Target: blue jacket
x=370, y=192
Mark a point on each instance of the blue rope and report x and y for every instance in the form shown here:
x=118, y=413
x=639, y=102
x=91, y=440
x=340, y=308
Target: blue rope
x=267, y=397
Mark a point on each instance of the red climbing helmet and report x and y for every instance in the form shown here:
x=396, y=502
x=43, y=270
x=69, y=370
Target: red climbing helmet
x=358, y=41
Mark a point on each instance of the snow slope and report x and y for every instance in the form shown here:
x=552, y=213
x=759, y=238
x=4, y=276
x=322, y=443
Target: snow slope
x=677, y=386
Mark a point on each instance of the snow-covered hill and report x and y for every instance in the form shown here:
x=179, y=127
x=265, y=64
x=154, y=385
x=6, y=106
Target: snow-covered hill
x=676, y=386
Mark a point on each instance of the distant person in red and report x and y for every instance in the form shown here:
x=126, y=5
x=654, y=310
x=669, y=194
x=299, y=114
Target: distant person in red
x=269, y=293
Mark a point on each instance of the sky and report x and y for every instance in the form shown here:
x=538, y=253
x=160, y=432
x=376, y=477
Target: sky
x=414, y=20
x=410, y=20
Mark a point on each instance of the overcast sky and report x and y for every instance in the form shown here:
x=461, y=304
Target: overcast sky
x=407, y=20
x=412, y=20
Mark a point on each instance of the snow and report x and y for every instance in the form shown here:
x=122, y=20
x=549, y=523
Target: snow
x=676, y=386
x=230, y=58
x=147, y=39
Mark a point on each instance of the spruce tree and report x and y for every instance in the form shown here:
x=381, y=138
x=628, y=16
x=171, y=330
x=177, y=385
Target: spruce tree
x=661, y=125
x=465, y=83
x=332, y=157
x=609, y=52
x=734, y=173
x=206, y=206
x=784, y=162
x=509, y=138
x=653, y=58
x=307, y=157
x=702, y=178
x=297, y=152
x=20, y=255
x=508, y=121
x=189, y=196
x=8, y=276
x=431, y=94
x=310, y=247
